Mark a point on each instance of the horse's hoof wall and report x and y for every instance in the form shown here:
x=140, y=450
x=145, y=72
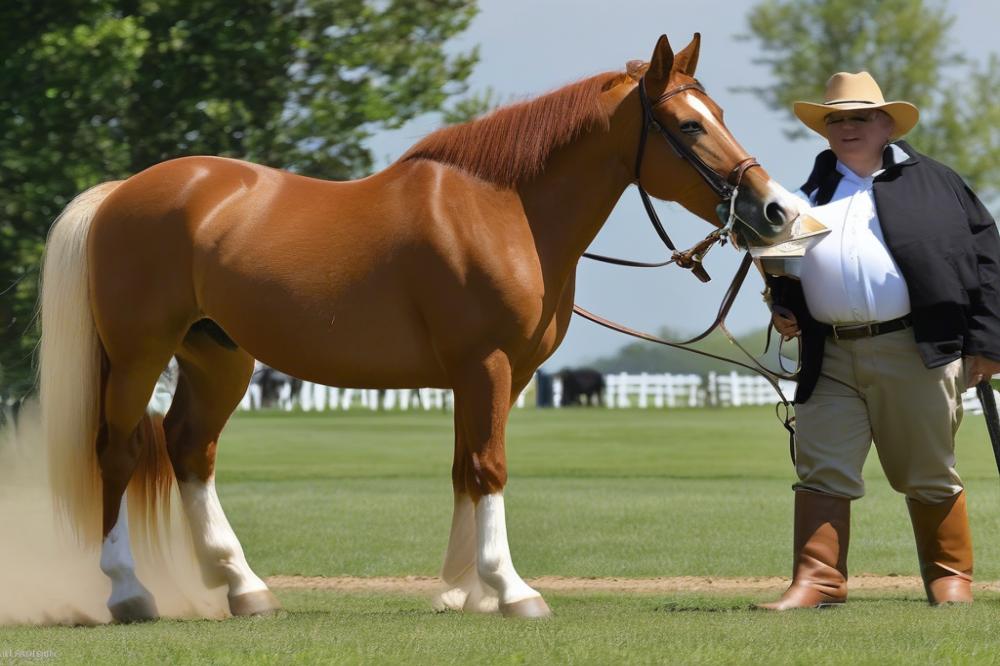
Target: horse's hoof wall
x=533, y=608
x=136, y=609
x=261, y=602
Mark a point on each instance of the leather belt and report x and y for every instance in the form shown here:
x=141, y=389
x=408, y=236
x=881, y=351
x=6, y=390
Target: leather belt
x=855, y=331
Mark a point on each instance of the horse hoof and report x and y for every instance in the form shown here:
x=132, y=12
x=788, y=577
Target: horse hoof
x=533, y=608
x=261, y=602
x=136, y=609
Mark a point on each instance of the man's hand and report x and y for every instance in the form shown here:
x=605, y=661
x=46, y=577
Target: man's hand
x=980, y=368
x=787, y=325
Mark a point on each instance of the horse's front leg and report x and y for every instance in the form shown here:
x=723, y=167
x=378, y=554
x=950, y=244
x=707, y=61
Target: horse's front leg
x=464, y=590
x=483, y=396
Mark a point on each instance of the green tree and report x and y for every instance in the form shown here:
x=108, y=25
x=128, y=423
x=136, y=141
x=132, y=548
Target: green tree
x=100, y=89
x=643, y=356
x=909, y=48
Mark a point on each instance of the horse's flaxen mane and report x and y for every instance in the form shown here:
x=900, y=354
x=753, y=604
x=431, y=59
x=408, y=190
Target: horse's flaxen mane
x=513, y=142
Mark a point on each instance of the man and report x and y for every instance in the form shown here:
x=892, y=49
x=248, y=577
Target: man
x=905, y=287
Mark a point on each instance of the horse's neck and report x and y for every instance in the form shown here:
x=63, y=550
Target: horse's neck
x=569, y=202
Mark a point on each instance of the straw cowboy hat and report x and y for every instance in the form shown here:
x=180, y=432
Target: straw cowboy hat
x=848, y=92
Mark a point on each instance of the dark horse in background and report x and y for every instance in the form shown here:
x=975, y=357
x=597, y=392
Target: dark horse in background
x=454, y=268
x=271, y=382
x=581, y=386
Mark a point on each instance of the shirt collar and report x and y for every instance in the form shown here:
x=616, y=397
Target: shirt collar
x=892, y=156
x=850, y=176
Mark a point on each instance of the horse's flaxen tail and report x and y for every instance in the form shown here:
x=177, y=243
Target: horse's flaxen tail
x=71, y=357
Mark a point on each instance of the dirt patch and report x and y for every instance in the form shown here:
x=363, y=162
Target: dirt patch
x=429, y=584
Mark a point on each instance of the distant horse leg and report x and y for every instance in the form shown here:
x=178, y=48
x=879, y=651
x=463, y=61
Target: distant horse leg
x=483, y=398
x=119, y=446
x=212, y=380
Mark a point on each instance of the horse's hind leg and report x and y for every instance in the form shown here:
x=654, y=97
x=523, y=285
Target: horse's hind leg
x=130, y=601
x=213, y=378
x=120, y=444
x=483, y=398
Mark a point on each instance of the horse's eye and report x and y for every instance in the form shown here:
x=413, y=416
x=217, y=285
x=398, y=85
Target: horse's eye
x=691, y=127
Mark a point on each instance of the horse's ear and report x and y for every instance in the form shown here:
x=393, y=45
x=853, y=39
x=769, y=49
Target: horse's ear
x=662, y=62
x=687, y=60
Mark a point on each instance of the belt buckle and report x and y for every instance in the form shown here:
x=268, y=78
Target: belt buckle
x=868, y=328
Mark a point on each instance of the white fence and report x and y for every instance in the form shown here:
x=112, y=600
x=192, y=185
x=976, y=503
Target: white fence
x=970, y=401
x=317, y=397
x=668, y=390
x=645, y=390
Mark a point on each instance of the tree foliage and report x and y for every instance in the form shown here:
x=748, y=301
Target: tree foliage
x=94, y=90
x=910, y=49
x=642, y=356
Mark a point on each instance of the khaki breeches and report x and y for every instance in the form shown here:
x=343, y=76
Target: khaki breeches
x=910, y=412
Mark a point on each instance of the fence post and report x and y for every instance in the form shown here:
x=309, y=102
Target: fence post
x=623, y=390
x=659, y=383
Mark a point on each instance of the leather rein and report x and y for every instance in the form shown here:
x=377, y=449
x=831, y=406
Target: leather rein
x=727, y=188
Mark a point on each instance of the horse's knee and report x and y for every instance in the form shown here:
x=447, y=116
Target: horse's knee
x=190, y=456
x=117, y=453
x=486, y=475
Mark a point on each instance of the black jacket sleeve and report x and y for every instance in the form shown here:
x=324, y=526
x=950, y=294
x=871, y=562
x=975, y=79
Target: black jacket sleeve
x=787, y=293
x=984, y=306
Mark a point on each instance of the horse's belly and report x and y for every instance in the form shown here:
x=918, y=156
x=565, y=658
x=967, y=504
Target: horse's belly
x=366, y=336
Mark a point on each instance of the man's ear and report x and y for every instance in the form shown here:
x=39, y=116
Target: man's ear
x=686, y=61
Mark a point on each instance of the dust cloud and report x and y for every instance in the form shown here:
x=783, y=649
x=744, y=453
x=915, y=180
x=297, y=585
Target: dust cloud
x=47, y=578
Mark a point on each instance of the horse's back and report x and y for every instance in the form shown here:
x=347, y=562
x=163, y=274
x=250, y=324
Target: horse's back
x=366, y=282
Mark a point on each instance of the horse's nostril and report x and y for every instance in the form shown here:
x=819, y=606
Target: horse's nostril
x=775, y=214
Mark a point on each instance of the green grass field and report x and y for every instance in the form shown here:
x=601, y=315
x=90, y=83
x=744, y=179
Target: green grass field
x=592, y=493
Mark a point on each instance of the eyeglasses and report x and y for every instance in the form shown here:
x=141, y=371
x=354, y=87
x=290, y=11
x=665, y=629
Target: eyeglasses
x=859, y=117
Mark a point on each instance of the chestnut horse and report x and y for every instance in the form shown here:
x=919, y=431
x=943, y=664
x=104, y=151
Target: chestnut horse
x=454, y=267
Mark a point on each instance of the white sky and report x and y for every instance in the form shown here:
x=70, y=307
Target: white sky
x=528, y=47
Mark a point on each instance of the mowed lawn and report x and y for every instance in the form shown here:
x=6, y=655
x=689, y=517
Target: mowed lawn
x=592, y=493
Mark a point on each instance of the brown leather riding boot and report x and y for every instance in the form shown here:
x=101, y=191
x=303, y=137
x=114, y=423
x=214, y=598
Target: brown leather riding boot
x=822, y=531
x=944, y=548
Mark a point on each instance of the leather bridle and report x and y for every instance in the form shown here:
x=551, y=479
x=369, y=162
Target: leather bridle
x=727, y=188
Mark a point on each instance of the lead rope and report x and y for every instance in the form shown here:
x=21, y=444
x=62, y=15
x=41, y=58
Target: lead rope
x=784, y=410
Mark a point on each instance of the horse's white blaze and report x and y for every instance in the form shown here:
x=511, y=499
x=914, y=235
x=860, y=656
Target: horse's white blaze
x=118, y=564
x=494, y=563
x=218, y=549
x=786, y=198
x=465, y=591
x=707, y=118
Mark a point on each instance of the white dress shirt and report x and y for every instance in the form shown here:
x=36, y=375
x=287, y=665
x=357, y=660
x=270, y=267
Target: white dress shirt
x=849, y=276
